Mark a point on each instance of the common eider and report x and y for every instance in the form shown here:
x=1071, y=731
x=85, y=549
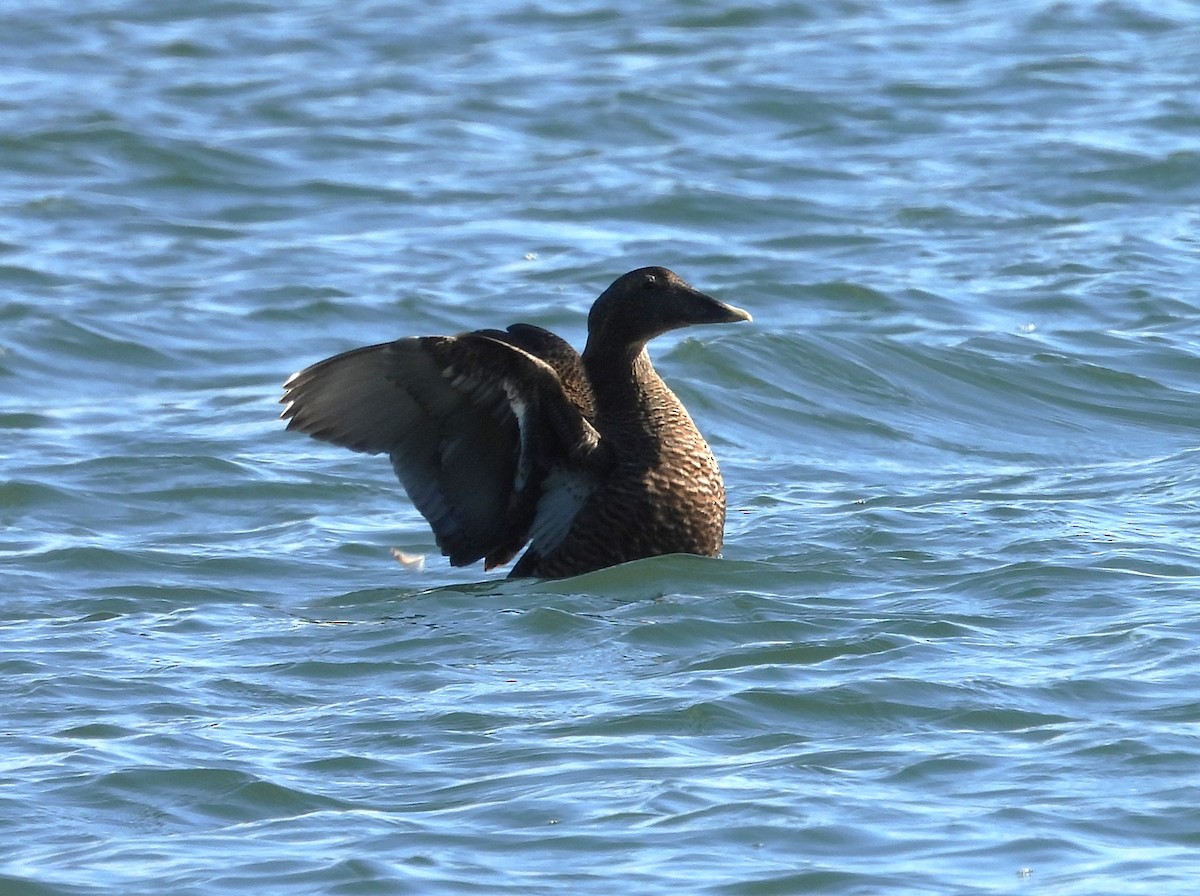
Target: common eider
x=504, y=438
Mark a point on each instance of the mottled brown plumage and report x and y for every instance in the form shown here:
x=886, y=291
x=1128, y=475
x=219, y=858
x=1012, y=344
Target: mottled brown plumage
x=503, y=438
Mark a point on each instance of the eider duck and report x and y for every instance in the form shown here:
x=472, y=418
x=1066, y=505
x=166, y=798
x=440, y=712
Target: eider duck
x=504, y=438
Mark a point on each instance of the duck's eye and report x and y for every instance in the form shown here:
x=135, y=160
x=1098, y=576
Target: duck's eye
x=649, y=282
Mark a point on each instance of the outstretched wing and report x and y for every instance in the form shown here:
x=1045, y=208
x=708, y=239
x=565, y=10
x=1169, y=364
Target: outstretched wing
x=471, y=425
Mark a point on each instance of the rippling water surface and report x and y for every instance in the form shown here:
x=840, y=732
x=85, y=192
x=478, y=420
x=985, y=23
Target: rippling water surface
x=954, y=642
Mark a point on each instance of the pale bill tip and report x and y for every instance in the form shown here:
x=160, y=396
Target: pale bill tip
x=741, y=313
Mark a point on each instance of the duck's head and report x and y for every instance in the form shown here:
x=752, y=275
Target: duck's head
x=646, y=303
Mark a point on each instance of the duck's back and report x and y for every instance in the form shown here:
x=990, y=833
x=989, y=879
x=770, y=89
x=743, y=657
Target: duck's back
x=663, y=495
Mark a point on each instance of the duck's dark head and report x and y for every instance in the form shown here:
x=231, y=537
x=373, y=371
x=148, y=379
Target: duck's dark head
x=645, y=303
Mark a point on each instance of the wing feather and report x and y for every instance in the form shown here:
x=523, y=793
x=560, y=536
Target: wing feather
x=471, y=424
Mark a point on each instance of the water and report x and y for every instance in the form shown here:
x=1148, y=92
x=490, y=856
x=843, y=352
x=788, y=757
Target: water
x=952, y=645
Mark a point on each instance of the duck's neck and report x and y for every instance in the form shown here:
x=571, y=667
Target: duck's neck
x=625, y=385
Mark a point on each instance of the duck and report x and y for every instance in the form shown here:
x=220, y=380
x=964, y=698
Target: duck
x=511, y=439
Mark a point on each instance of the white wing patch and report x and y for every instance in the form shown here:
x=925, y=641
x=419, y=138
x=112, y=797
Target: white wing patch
x=520, y=410
x=482, y=390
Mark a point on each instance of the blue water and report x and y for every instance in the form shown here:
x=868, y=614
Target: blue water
x=954, y=643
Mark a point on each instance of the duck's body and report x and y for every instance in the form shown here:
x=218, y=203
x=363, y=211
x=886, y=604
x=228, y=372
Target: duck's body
x=503, y=438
